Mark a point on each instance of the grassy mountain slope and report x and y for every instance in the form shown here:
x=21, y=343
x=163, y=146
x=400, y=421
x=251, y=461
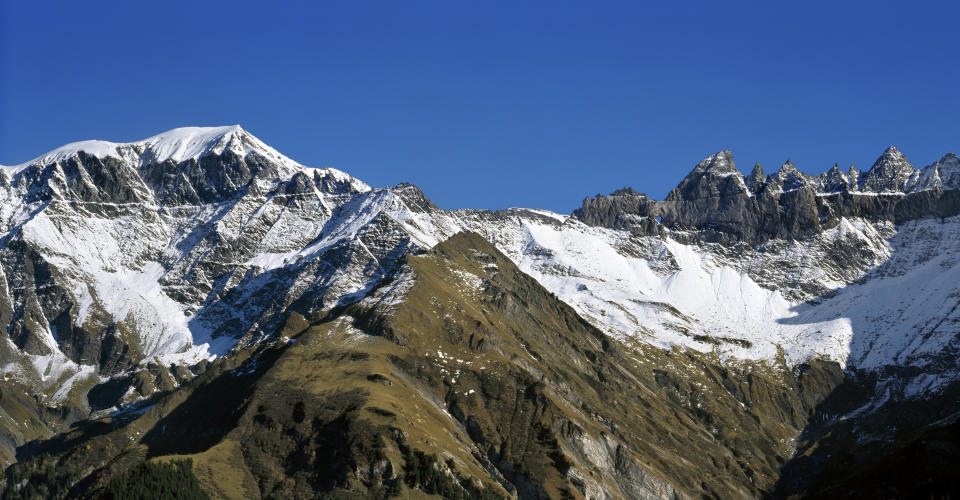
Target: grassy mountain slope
x=462, y=378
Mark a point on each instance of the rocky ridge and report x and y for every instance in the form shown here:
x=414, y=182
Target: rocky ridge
x=717, y=203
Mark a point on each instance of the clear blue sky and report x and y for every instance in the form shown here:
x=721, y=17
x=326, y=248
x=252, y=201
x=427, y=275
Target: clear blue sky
x=493, y=104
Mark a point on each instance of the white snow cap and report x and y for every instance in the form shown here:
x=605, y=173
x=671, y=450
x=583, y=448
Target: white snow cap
x=179, y=144
x=184, y=143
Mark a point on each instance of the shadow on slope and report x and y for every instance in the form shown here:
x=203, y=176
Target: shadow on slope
x=867, y=438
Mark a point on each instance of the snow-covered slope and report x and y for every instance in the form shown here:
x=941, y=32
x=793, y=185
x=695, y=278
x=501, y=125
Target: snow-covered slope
x=897, y=308
x=867, y=294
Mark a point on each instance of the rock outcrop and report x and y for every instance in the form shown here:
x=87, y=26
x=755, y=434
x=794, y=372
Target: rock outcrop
x=716, y=203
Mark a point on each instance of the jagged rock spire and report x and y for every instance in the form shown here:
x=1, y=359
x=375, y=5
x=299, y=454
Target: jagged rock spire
x=756, y=179
x=853, y=177
x=716, y=175
x=889, y=173
x=833, y=180
x=944, y=174
x=789, y=178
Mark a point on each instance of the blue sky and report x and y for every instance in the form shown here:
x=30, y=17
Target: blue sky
x=493, y=104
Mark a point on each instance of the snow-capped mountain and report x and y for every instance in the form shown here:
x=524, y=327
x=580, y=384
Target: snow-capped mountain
x=119, y=254
x=175, y=248
x=126, y=267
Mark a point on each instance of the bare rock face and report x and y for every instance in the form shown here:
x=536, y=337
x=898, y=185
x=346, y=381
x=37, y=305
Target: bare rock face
x=756, y=179
x=621, y=209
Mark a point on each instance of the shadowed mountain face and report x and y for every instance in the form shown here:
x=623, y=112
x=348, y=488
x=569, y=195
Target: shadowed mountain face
x=749, y=336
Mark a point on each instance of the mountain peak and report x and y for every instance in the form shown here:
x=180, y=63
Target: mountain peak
x=179, y=144
x=756, y=179
x=834, y=180
x=790, y=178
x=709, y=178
x=944, y=174
x=889, y=173
x=720, y=163
x=184, y=143
x=788, y=166
x=891, y=154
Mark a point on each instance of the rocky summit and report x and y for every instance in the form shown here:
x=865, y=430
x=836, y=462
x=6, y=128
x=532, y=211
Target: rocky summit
x=199, y=315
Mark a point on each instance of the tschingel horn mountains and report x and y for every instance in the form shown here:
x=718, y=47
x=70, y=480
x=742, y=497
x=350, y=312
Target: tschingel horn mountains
x=198, y=316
